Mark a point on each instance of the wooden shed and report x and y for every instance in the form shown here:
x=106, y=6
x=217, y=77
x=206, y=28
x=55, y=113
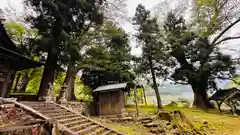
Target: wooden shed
x=11, y=60
x=227, y=96
x=112, y=98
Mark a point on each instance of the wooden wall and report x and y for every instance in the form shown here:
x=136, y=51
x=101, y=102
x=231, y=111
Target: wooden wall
x=6, y=76
x=111, y=102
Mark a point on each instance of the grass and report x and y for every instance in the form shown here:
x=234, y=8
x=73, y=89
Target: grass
x=23, y=93
x=224, y=123
x=129, y=129
x=125, y=128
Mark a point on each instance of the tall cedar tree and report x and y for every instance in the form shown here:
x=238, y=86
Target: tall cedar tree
x=57, y=21
x=108, y=60
x=152, y=57
x=199, y=61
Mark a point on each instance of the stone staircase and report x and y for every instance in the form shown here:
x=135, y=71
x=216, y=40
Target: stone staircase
x=67, y=120
x=153, y=125
x=118, y=118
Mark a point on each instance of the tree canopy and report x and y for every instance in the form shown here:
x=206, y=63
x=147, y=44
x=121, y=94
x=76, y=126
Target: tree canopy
x=189, y=53
x=61, y=25
x=108, y=59
x=153, y=56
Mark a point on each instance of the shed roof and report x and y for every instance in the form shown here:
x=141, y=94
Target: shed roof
x=223, y=94
x=111, y=87
x=18, y=61
x=5, y=41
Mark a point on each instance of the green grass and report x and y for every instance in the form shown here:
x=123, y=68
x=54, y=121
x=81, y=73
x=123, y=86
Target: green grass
x=23, y=93
x=125, y=128
x=128, y=129
x=223, y=122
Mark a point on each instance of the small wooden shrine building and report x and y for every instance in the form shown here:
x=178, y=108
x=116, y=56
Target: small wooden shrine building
x=11, y=60
x=227, y=96
x=112, y=98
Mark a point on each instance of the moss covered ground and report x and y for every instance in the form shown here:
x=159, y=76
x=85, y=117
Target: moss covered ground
x=222, y=123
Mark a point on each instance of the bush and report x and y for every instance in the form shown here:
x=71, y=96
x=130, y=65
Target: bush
x=179, y=103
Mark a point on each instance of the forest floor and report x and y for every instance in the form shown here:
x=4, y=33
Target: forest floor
x=223, y=123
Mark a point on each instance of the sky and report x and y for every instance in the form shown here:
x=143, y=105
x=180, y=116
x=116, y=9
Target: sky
x=127, y=26
x=131, y=7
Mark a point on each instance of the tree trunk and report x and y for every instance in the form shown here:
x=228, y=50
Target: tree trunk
x=51, y=63
x=135, y=100
x=155, y=87
x=94, y=105
x=48, y=74
x=17, y=81
x=24, y=82
x=200, y=96
x=144, y=94
x=70, y=81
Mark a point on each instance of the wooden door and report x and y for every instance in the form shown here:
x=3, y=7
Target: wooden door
x=111, y=102
x=104, y=103
x=116, y=106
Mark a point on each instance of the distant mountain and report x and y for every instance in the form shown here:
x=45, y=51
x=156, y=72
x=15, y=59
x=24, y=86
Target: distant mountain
x=171, y=92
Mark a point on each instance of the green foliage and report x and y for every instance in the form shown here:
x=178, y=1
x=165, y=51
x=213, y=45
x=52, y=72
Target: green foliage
x=198, y=59
x=179, y=103
x=149, y=37
x=213, y=15
x=153, y=56
x=58, y=81
x=34, y=81
x=22, y=36
x=62, y=24
x=82, y=92
x=140, y=97
x=108, y=59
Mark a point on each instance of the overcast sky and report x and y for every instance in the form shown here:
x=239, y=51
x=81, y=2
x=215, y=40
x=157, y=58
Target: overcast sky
x=131, y=6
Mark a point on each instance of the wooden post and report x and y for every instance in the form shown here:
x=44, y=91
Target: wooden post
x=18, y=76
x=233, y=107
x=135, y=99
x=145, y=98
x=6, y=84
x=219, y=105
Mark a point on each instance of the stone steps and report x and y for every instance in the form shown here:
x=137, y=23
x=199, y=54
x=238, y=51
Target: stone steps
x=70, y=121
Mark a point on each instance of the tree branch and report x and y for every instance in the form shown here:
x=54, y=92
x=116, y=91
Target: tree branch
x=224, y=31
x=223, y=4
x=226, y=39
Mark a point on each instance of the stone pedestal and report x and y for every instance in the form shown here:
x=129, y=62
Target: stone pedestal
x=50, y=95
x=62, y=95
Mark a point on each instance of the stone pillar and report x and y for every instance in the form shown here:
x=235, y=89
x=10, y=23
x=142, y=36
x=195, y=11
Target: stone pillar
x=50, y=95
x=62, y=94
